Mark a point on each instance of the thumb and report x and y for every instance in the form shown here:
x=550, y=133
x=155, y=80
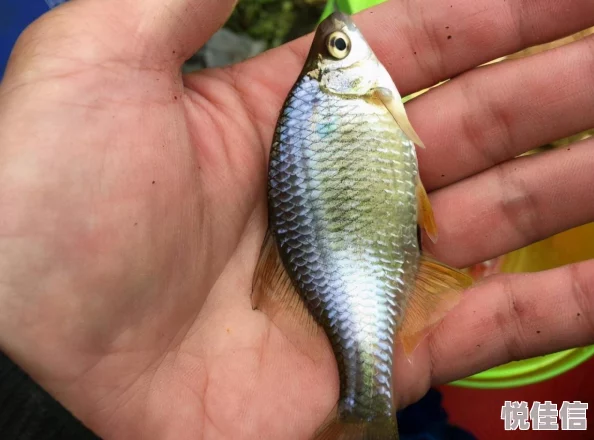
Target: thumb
x=182, y=26
x=155, y=30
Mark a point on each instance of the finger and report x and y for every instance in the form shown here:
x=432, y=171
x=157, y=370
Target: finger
x=427, y=41
x=495, y=113
x=514, y=204
x=411, y=39
x=512, y=317
x=176, y=26
x=156, y=30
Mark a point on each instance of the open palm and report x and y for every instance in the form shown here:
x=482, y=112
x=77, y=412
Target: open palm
x=133, y=208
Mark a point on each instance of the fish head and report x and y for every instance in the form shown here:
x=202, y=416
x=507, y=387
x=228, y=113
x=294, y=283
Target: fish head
x=341, y=59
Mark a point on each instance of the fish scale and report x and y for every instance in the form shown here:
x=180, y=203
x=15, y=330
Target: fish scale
x=342, y=207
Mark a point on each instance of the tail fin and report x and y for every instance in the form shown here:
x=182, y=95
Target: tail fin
x=379, y=429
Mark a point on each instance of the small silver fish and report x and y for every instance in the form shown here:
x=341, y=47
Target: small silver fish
x=345, y=204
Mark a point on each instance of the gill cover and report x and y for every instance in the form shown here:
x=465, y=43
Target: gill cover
x=344, y=64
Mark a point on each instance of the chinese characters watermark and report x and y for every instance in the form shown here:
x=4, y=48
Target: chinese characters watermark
x=544, y=416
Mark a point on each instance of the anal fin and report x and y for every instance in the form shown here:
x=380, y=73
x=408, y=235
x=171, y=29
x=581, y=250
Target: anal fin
x=437, y=290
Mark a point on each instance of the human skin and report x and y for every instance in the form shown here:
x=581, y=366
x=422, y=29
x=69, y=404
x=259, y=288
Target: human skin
x=133, y=207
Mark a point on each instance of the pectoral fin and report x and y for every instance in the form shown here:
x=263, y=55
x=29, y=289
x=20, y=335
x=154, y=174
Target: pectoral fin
x=393, y=102
x=437, y=290
x=425, y=216
x=274, y=293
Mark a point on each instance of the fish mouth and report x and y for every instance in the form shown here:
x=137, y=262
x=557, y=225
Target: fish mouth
x=334, y=22
x=338, y=20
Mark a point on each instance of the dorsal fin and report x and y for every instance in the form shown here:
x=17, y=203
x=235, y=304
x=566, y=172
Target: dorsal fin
x=274, y=294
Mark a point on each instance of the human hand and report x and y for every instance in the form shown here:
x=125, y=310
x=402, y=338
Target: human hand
x=133, y=207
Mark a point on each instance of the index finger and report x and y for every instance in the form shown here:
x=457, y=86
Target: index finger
x=422, y=42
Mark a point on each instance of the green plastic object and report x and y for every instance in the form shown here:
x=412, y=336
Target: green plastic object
x=350, y=6
x=528, y=371
x=513, y=374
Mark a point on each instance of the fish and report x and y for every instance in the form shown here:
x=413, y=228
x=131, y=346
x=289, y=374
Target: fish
x=345, y=207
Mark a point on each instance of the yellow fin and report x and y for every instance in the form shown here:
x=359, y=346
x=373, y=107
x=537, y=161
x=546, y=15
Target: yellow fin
x=425, y=212
x=274, y=293
x=383, y=428
x=394, y=104
x=437, y=290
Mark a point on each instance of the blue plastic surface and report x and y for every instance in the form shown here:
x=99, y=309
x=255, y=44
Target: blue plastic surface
x=15, y=16
x=428, y=420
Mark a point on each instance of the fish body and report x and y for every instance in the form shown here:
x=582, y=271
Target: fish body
x=344, y=215
x=343, y=197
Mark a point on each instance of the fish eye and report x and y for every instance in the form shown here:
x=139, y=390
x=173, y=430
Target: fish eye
x=338, y=44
